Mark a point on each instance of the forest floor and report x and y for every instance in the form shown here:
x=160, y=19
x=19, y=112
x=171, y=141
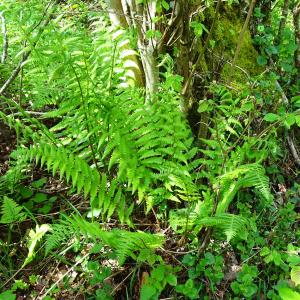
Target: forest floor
x=7, y=144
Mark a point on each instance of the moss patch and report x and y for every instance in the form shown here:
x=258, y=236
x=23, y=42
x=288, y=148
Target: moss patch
x=226, y=35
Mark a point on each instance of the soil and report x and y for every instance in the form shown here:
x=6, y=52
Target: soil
x=7, y=144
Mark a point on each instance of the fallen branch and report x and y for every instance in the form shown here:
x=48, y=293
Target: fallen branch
x=5, y=39
x=15, y=73
x=293, y=149
x=290, y=141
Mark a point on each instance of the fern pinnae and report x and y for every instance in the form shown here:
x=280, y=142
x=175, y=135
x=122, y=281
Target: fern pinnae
x=250, y=175
x=11, y=211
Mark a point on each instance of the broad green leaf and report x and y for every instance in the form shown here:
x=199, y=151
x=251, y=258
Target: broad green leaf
x=171, y=279
x=39, y=197
x=264, y=251
x=203, y=106
x=288, y=294
x=7, y=295
x=270, y=117
x=147, y=292
x=297, y=118
x=289, y=120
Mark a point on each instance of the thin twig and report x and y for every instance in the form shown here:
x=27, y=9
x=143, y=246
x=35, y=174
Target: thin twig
x=290, y=142
x=242, y=33
x=11, y=278
x=293, y=149
x=116, y=288
x=62, y=277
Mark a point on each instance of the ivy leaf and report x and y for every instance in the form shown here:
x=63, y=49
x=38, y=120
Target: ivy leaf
x=264, y=251
x=289, y=120
x=270, y=117
x=147, y=292
x=171, y=279
x=39, y=197
x=7, y=295
x=158, y=273
x=39, y=183
x=189, y=260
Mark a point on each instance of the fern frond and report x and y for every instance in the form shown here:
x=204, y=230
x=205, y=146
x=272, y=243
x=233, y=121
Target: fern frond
x=150, y=145
x=256, y=177
x=230, y=224
x=251, y=175
x=60, y=233
x=84, y=179
x=11, y=211
x=125, y=243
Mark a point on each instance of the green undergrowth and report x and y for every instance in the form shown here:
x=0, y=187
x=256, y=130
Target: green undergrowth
x=109, y=195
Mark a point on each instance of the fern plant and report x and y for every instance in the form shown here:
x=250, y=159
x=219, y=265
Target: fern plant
x=231, y=225
x=83, y=178
x=195, y=219
x=120, y=149
x=11, y=212
x=252, y=175
x=202, y=214
x=125, y=243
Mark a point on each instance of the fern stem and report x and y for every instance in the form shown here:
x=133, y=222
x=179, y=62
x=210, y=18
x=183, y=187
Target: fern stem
x=87, y=119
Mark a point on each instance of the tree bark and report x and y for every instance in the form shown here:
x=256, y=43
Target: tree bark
x=142, y=16
x=5, y=39
x=120, y=18
x=296, y=19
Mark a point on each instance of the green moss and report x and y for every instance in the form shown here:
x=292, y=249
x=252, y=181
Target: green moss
x=226, y=36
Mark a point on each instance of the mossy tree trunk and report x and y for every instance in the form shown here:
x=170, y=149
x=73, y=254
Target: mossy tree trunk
x=201, y=39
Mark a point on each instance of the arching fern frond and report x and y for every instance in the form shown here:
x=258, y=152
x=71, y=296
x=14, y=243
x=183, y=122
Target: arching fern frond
x=186, y=219
x=231, y=225
x=84, y=179
x=251, y=175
